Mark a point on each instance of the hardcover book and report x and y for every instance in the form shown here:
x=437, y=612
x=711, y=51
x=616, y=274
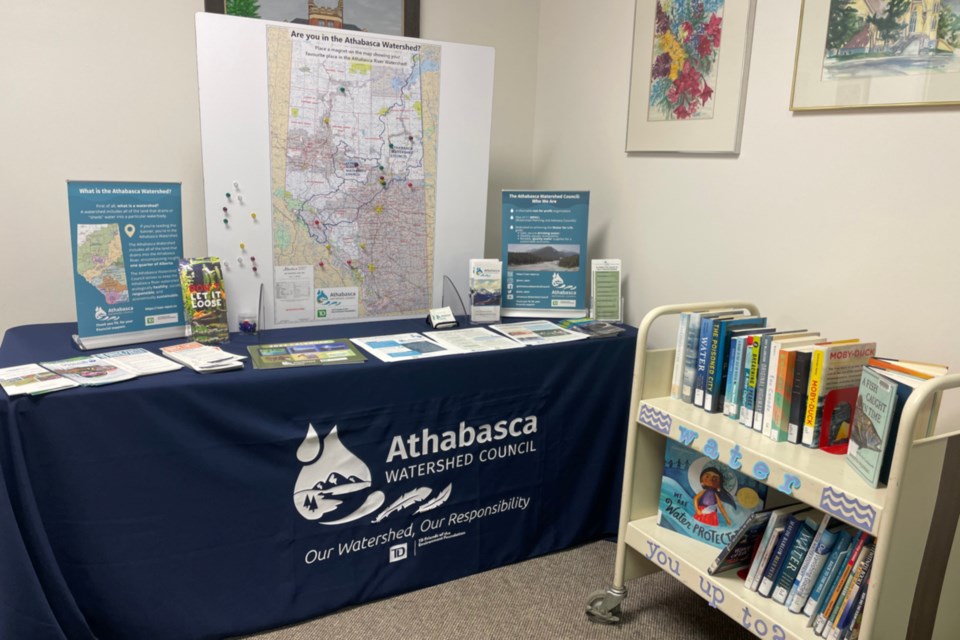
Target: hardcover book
x=717, y=358
x=798, y=394
x=739, y=551
x=768, y=542
x=772, y=571
x=676, y=382
x=690, y=352
x=876, y=420
x=831, y=567
x=204, y=300
x=832, y=393
x=794, y=560
x=763, y=373
x=703, y=498
x=777, y=344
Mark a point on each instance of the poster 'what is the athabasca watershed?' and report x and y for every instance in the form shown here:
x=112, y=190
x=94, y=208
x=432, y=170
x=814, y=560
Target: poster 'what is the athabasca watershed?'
x=127, y=238
x=353, y=132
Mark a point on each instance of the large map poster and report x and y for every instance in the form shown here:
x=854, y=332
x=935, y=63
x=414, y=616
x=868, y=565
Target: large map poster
x=353, y=121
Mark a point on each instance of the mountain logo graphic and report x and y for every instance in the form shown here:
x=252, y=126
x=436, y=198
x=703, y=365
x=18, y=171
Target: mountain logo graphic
x=335, y=485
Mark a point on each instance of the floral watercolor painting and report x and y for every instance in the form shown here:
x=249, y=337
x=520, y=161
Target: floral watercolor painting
x=686, y=55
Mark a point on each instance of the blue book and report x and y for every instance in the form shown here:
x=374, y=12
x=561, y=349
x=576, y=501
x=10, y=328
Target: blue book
x=772, y=573
x=795, y=557
x=703, y=352
x=731, y=397
x=716, y=360
x=750, y=365
x=688, y=378
x=820, y=550
x=836, y=559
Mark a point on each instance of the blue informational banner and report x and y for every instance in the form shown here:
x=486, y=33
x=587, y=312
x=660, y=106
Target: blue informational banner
x=127, y=238
x=545, y=253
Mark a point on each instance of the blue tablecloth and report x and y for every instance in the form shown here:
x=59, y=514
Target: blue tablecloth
x=183, y=505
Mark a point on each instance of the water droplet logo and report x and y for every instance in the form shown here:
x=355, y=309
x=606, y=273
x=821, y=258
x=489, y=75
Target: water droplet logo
x=334, y=485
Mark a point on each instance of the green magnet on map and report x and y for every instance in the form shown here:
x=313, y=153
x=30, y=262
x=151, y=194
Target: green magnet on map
x=228, y=196
x=342, y=90
x=226, y=221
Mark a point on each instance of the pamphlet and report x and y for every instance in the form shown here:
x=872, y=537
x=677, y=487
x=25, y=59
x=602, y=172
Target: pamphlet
x=89, y=371
x=304, y=354
x=32, y=379
x=591, y=327
x=403, y=346
x=605, y=291
x=203, y=358
x=473, y=339
x=139, y=361
x=536, y=332
x=204, y=300
x=485, y=286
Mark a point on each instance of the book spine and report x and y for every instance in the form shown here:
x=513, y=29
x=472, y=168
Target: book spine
x=764, y=553
x=838, y=585
x=844, y=609
x=830, y=570
x=820, y=550
x=749, y=382
x=811, y=415
x=714, y=366
x=772, y=572
x=773, y=369
x=703, y=352
x=731, y=398
x=690, y=358
x=798, y=395
x=781, y=396
x=762, y=373
x=853, y=630
x=676, y=384
x=795, y=558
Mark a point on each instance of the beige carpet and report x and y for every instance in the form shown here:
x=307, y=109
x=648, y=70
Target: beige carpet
x=540, y=598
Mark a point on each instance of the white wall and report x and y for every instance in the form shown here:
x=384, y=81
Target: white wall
x=846, y=221
x=103, y=90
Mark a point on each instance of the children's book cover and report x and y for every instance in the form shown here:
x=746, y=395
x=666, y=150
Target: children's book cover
x=204, y=299
x=703, y=498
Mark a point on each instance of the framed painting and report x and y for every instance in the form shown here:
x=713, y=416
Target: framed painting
x=689, y=75
x=877, y=53
x=388, y=17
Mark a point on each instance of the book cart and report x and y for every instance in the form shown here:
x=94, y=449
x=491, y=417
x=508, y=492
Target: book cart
x=915, y=582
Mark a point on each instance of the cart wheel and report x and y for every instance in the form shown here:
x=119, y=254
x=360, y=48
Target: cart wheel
x=603, y=606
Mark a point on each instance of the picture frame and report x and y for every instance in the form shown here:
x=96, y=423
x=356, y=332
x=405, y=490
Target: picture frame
x=879, y=54
x=407, y=26
x=688, y=77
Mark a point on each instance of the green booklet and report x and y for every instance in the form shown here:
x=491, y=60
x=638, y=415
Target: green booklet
x=304, y=354
x=204, y=300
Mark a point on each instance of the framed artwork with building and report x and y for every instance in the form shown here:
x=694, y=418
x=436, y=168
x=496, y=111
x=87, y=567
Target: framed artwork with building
x=877, y=53
x=688, y=77
x=388, y=17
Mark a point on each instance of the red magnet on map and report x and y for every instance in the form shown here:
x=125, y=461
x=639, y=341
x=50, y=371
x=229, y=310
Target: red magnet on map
x=350, y=262
x=321, y=263
x=254, y=268
x=253, y=259
x=316, y=222
x=410, y=184
x=224, y=209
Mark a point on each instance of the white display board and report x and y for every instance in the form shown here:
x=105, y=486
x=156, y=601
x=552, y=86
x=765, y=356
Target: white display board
x=232, y=61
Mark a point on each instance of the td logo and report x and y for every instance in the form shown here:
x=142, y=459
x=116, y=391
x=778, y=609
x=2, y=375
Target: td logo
x=398, y=552
x=321, y=313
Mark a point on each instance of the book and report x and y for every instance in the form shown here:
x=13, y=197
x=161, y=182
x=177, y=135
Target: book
x=831, y=567
x=829, y=597
x=204, y=300
x=832, y=393
x=769, y=394
x=820, y=548
x=203, y=358
x=798, y=394
x=139, y=361
x=89, y=371
x=772, y=571
x=783, y=385
x=703, y=356
x=876, y=420
x=735, y=370
x=796, y=555
x=690, y=353
x=845, y=587
x=286, y=355
x=717, y=358
x=844, y=609
x=924, y=370
x=32, y=379
x=768, y=542
x=593, y=328
x=763, y=373
x=750, y=373
x=853, y=631
x=738, y=551
x=676, y=381
x=705, y=499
